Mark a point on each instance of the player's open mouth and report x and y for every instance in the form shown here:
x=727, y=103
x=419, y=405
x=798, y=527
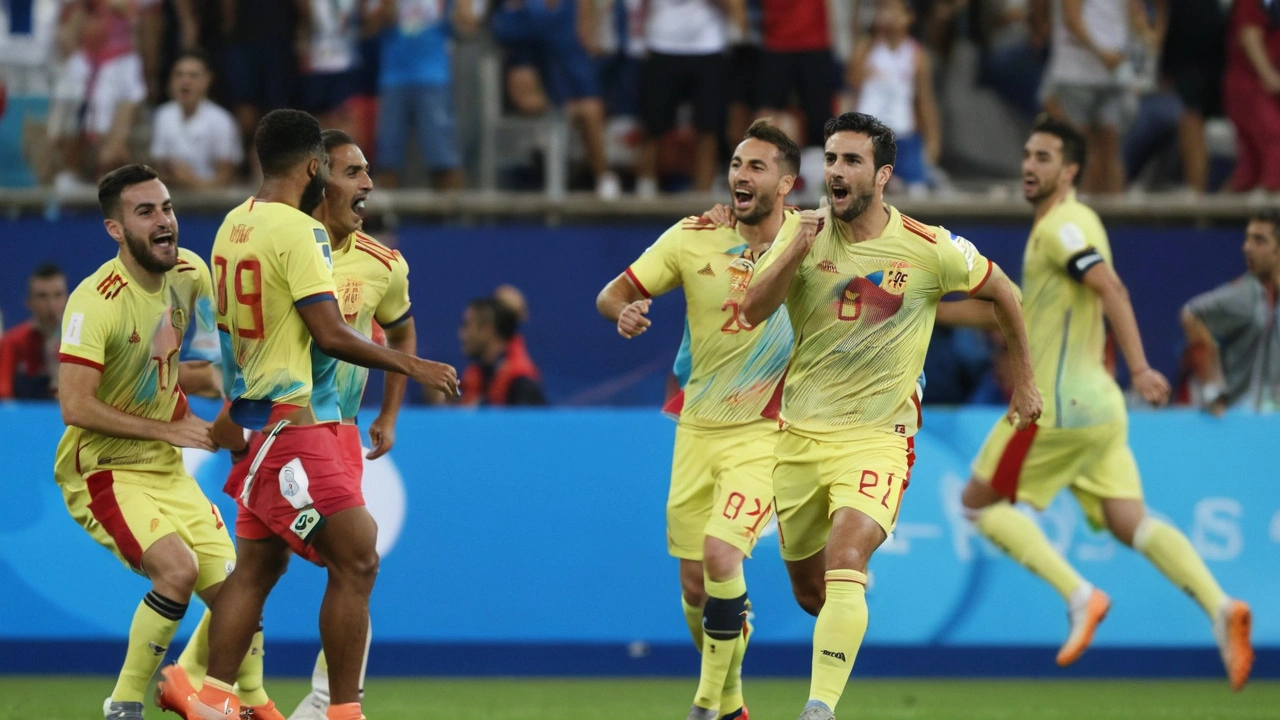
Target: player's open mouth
x=839, y=192
x=1029, y=184
x=163, y=240
x=357, y=207
x=742, y=198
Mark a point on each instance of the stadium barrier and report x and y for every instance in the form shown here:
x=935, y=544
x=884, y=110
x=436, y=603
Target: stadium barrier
x=564, y=509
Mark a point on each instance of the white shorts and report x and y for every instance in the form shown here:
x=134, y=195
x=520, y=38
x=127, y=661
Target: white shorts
x=77, y=86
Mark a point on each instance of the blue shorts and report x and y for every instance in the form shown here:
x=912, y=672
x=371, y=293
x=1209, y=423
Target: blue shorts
x=322, y=92
x=568, y=72
x=910, y=167
x=427, y=112
x=248, y=80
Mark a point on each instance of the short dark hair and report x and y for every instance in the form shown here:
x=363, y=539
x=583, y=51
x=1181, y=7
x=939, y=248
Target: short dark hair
x=195, y=54
x=884, y=145
x=45, y=271
x=1073, y=144
x=764, y=130
x=285, y=138
x=1268, y=215
x=335, y=138
x=115, y=182
x=504, y=320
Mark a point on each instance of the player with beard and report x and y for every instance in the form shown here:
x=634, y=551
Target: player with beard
x=119, y=465
x=282, y=337
x=721, y=495
x=861, y=284
x=1082, y=441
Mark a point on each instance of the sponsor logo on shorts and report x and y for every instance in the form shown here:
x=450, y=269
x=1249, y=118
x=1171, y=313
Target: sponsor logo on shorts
x=900, y=429
x=288, y=483
x=837, y=655
x=155, y=524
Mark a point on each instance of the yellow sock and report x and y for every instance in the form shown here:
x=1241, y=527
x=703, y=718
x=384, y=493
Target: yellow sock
x=1173, y=555
x=249, y=678
x=154, y=623
x=722, y=621
x=1023, y=541
x=837, y=635
x=731, y=696
x=693, y=618
x=194, y=659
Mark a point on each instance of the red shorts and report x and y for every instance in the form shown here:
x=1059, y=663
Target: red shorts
x=324, y=451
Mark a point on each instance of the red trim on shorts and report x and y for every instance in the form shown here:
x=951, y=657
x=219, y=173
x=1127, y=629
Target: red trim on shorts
x=76, y=360
x=106, y=510
x=915, y=398
x=1009, y=469
x=636, y=281
x=990, y=266
x=906, y=481
x=281, y=411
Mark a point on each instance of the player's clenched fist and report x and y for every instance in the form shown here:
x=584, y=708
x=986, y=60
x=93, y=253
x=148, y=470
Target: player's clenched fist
x=1152, y=385
x=632, y=320
x=437, y=376
x=1025, y=406
x=191, y=432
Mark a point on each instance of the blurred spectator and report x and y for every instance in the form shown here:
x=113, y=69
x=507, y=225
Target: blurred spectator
x=686, y=42
x=511, y=296
x=1191, y=65
x=1234, y=330
x=1250, y=95
x=99, y=79
x=797, y=57
x=328, y=58
x=893, y=78
x=1089, y=79
x=29, y=351
x=195, y=142
x=1015, y=41
x=501, y=372
x=416, y=88
x=259, y=63
x=550, y=44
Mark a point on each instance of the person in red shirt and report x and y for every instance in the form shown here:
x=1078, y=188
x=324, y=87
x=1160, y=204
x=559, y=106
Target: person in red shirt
x=1251, y=95
x=29, y=352
x=501, y=372
x=797, y=56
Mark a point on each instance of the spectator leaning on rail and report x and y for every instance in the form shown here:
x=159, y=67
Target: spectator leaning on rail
x=1234, y=329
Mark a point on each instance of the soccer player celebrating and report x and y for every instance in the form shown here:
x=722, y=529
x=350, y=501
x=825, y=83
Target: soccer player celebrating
x=118, y=465
x=1082, y=442
x=721, y=494
x=861, y=283
x=283, y=334
x=372, y=281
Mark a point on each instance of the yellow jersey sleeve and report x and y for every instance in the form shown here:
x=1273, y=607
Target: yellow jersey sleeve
x=395, y=305
x=961, y=267
x=87, y=325
x=657, y=271
x=1073, y=244
x=307, y=260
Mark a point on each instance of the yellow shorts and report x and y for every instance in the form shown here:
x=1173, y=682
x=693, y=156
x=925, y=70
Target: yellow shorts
x=720, y=486
x=126, y=511
x=1034, y=465
x=814, y=478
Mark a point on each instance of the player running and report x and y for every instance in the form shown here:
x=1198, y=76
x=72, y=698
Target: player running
x=861, y=283
x=282, y=330
x=721, y=494
x=1082, y=442
x=118, y=464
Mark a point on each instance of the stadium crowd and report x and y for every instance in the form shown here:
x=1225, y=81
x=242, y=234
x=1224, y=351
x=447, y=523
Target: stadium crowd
x=657, y=91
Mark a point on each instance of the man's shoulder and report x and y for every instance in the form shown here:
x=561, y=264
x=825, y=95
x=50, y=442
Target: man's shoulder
x=167, y=116
x=19, y=334
x=376, y=255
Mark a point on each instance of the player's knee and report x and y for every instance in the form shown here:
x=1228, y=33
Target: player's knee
x=692, y=586
x=175, y=576
x=810, y=598
x=721, y=561
x=357, y=568
x=978, y=495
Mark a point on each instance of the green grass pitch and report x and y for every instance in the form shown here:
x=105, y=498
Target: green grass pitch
x=80, y=698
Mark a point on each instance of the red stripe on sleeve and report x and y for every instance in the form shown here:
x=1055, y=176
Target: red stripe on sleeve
x=106, y=510
x=1009, y=469
x=985, y=278
x=77, y=360
x=639, y=285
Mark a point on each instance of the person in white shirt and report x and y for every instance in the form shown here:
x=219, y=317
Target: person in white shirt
x=195, y=143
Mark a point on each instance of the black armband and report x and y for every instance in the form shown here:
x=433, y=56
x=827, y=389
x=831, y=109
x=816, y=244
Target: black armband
x=1080, y=263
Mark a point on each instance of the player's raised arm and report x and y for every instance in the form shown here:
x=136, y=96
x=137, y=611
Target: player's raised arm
x=768, y=290
x=340, y=341
x=1118, y=310
x=622, y=303
x=625, y=301
x=78, y=397
x=1025, y=406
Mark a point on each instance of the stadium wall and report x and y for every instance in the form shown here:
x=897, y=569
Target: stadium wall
x=564, y=509
x=561, y=269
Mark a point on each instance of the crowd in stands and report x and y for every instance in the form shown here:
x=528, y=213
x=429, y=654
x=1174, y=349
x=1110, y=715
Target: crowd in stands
x=655, y=90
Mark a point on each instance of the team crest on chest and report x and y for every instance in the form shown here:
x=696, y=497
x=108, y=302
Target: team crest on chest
x=350, y=294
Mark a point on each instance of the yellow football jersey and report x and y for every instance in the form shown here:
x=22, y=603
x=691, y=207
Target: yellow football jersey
x=1064, y=318
x=133, y=337
x=373, y=284
x=269, y=258
x=729, y=373
x=863, y=314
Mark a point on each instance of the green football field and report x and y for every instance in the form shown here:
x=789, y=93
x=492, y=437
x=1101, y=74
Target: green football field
x=80, y=698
